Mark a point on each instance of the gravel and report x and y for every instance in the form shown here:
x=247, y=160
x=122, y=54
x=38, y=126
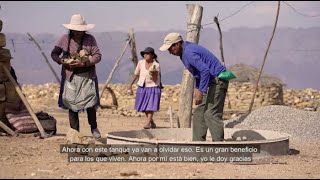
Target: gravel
x=303, y=126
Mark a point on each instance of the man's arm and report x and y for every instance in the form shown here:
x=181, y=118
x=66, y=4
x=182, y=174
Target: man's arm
x=203, y=81
x=198, y=63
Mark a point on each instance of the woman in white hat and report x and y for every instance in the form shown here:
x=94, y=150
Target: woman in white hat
x=79, y=83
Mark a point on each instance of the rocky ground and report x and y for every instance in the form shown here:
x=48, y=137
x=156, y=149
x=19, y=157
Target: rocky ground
x=30, y=157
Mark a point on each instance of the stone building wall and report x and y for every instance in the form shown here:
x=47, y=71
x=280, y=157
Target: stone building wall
x=240, y=95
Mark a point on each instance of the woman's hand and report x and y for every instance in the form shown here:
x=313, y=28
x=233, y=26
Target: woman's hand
x=76, y=63
x=154, y=75
x=130, y=91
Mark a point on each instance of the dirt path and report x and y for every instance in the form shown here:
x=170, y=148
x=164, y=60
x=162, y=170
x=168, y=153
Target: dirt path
x=31, y=157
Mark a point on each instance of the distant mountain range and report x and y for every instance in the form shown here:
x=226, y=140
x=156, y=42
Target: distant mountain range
x=293, y=56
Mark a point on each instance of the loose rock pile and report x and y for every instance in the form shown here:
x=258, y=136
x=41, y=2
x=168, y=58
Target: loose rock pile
x=301, y=125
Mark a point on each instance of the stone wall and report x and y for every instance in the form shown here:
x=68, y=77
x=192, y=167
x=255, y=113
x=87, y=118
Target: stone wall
x=307, y=99
x=240, y=95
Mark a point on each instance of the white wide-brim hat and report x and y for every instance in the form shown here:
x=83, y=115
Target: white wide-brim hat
x=78, y=23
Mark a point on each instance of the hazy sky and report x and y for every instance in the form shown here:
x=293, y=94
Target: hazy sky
x=47, y=16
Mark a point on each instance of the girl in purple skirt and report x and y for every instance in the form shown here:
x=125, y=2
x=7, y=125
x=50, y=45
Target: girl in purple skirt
x=148, y=86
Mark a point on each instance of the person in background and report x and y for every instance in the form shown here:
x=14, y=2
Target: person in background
x=149, y=86
x=210, y=91
x=79, y=82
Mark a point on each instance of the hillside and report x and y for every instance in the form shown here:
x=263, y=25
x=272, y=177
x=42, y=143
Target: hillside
x=293, y=57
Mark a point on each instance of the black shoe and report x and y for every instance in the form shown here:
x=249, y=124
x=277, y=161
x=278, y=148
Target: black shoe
x=96, y=133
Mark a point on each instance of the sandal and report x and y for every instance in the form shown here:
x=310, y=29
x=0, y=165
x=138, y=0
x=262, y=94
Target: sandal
x=147, y=126
x=153, y=125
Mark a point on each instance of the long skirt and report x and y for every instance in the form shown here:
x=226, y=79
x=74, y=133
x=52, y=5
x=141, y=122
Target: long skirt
x=147, y=99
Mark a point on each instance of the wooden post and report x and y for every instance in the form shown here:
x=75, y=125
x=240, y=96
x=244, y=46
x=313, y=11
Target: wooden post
x=114, y=68
x=134, y=56
x=264, y=59
x=221, y=51
x=45, y=57
x=24, y=100
x=170, y=115
x=7, y=129
x=114, y=99
x=221, y=46
x=132, y=44
x=187, y=84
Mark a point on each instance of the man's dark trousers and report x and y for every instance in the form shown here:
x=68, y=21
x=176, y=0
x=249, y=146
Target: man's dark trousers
x=209, y=113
